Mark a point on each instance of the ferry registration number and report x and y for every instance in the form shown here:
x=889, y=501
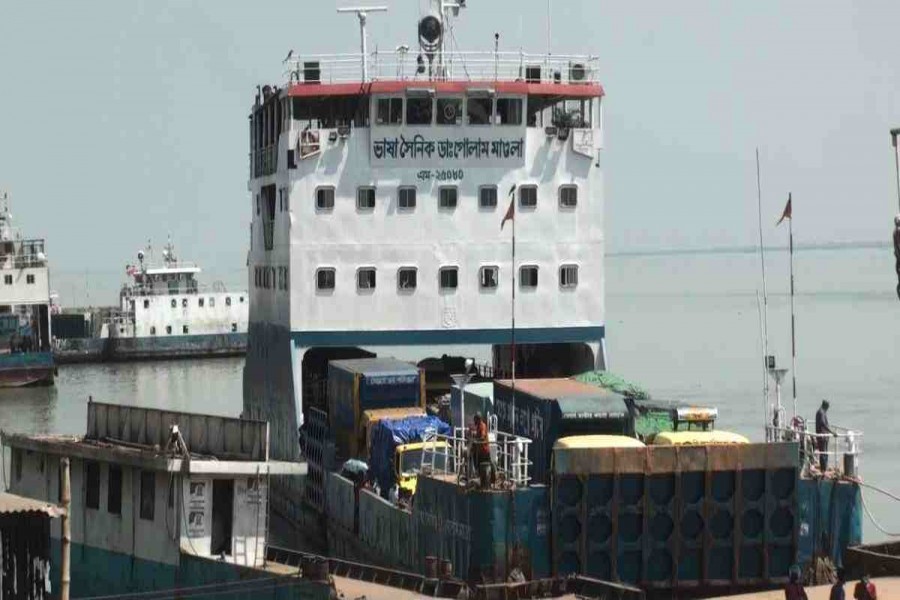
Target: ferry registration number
x=441, y=175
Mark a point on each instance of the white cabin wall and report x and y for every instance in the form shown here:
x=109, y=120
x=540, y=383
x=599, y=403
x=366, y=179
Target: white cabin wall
x=249, y=527
x=200, y=320
x=22, y=292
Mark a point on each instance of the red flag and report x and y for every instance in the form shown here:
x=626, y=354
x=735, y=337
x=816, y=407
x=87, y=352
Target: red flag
x=787, y=212
x=511, y=211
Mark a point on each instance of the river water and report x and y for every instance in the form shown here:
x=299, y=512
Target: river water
x=684, y=326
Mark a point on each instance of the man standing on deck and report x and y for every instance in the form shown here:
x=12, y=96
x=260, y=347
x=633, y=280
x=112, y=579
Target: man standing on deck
x=822, y=429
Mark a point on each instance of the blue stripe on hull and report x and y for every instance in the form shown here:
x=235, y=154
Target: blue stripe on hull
x=180, y=346
x=534, y=335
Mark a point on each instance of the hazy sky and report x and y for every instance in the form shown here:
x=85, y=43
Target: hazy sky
x=122, y=121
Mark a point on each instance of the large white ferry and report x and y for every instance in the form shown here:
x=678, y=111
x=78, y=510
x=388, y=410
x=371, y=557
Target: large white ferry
x=379, y=183
x=25, y=357
x=165, y=313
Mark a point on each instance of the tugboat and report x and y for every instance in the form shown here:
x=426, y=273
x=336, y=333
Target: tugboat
x=165, y=313
x=25, y=357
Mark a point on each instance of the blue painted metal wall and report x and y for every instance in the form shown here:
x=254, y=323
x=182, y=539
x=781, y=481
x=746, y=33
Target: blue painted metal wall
x=830, y=515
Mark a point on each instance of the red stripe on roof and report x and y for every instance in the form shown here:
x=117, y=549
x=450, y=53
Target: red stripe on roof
x=569, y=90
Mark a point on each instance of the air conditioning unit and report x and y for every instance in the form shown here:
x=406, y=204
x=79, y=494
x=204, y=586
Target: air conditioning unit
x=578, y=73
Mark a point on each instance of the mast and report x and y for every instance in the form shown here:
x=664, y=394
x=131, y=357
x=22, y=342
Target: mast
x=793, y=317
x=765, y=296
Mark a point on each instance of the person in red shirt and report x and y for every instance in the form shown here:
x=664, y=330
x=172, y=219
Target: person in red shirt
x=865, y=590
x=794, y=588
x=481, y=449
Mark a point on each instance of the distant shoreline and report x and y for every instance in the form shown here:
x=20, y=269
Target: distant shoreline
x=749, y=249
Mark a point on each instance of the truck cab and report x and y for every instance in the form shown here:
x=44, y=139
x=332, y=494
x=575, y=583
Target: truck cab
x=409, y=459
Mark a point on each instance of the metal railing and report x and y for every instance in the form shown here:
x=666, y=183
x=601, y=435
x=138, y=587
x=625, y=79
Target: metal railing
x=838, y=451
x=509, y=455
x=457, y=66
x=25, y=254
x=264, y=161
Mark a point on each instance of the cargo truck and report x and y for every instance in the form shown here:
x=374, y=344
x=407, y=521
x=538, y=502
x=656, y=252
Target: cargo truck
x=398, y=450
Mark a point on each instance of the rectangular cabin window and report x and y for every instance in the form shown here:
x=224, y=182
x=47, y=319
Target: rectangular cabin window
x=325, y=279
x=146, y=304
x=489, y=277
x=406, y=198
x=528, y=276
x=365, y=198
x=449, y=111
x=184, y=329
x=29, y=279
x=389, y=111
x=212, y=302
x=568, y=196
x=419, y=111
x=7, y=279
x=148, y=495
x=449, y=278
x=487, y=197
x=509, y=111
x=479, y=111
x=324, y=199
x=330, y=113
x=114, y=490
x=527, y=196
x=407, y=279
x=568, y=276
x=92, y=484
x=365, y=279
x=200, y=302
x=16, y=460
x=447, y=197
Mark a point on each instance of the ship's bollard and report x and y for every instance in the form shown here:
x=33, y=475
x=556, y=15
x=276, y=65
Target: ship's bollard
x=446, y=569
x=431, y=567
x=851, y=457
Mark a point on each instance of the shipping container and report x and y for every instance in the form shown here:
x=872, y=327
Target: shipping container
x=357, y=385
x=479, y=398
x=545, y=410
x=677, y=518
x=71, y=326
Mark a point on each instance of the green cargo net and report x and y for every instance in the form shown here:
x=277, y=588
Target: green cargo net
x=613, y=383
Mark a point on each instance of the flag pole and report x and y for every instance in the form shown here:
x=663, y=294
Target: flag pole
x=793, y=318
x=513, y=320
x=764, y=316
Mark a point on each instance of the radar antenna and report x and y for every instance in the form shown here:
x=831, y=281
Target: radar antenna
x=362, y=12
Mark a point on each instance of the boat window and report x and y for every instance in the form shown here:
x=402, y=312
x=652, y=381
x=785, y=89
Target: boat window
x=152, y=330
x=365, y=198
x=489, y=277
x=389, y=111
x=174, y=303
x=7, y=279
x=568, y=276
x=527, y=196
x=449, y=278
x=227, y=300
x=447, y=197
x=146, y=304
x=114, y=490
x=487, y=197
x=568, y=196
x=184, y=302
x=332, y=112
x=509, y=111
x=406, y=198
x=212, y=302
x=325, y=279
x=449, y=111
x=478, y=111
x=200, y=302
x=528, y=276
x=91, y=484
x=184, y=329
x=365, y=278
x=29, y=278
x=222, y=516
x=407, y=278
x=234, y=328
x=148, y=495
x=241, y=299
x=418, y=111
x=168, y=329
x=324, y=198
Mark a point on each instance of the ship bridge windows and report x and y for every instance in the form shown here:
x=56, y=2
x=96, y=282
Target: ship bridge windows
x=449, y=278
x=324, y=199
x=509, y=111
x=568, y=196
x=563, y=113
x=479, y=110
x=527, y=196
x=330, y=113
x=406, y=198
x=407, y=278
x=365, y=198
x=487, y=197
x=389, y=111
x=449, y=111
x=528, y=276
x=447, y=197
x=325, y=279
x=365, y=279
x=419, y=110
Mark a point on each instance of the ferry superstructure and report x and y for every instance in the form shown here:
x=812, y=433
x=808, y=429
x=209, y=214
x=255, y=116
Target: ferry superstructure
x=378, y=186
x=25, y=357
x=166, y=313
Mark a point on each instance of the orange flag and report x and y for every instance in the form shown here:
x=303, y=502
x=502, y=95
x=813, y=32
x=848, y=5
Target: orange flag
x=787, y=212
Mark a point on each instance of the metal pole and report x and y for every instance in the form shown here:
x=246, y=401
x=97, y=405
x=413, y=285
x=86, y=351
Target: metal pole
x=362, y=44
x=765, y=295
x=793, y=319
x=513, y=270
x=65, y=498
x=894, y=134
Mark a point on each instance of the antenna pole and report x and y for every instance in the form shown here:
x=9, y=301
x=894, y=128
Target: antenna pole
x=894, y=134
x=793, y=319
x=549, y=25
x=362, y=12
x=765, y=296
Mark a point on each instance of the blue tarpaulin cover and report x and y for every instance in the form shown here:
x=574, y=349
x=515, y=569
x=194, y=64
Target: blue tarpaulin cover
x=390, y=433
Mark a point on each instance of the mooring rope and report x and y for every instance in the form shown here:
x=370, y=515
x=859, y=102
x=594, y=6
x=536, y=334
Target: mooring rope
x=872, y=518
